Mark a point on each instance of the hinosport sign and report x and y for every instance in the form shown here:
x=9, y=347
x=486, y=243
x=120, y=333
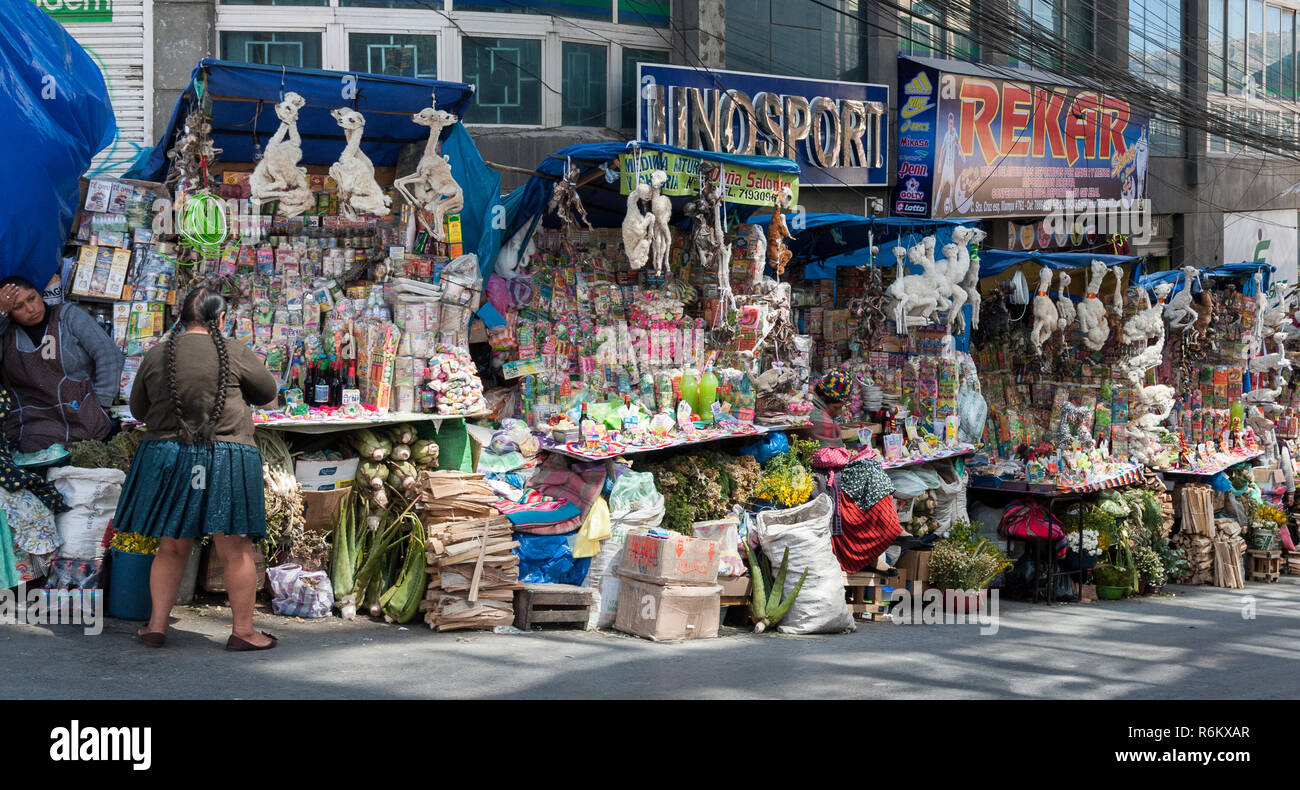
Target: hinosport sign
x=78, y=10
x=835, y=131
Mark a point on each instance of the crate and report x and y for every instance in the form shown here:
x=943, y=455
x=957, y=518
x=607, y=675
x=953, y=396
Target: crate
x=552, y=604
x=1291, y=563
x=1265, y=566
x=865, y=593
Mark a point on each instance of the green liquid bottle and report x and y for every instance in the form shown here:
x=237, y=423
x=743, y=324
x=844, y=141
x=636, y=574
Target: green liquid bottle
x=691, y=389
x=708, y=392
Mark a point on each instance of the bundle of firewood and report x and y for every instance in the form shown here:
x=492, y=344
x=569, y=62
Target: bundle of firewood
x=472, y=573
x=1152, y=481
x=448, y=495
x=1199, y=551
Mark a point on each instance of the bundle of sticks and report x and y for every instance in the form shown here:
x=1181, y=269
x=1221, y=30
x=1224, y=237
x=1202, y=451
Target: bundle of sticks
x=472, y=573
x=448, y=495
x=1199, y=551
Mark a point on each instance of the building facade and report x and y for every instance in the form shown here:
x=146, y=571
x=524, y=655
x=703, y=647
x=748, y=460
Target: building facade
x=553, y=73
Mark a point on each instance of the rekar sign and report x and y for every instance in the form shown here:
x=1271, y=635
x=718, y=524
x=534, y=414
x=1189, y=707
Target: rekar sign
x=973, y=146
x=835, y=131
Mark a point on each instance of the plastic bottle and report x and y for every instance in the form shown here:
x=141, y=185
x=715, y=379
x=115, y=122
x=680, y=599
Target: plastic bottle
x=708, y=392
x=691, y=389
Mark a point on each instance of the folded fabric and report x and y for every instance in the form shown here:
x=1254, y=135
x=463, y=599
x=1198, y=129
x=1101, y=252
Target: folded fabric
x=865, y=482
x=545, y=515
x=558, y=528
x=556, y=479
x=595, y=528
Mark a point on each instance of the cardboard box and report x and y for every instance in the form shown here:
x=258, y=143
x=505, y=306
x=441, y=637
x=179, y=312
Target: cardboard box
x=914, y=565
x=321, y=509
x=325, y=475
x=734, y=586
x=665, y=613
x=676, y=560
x=213, y=578
x=1267, y=476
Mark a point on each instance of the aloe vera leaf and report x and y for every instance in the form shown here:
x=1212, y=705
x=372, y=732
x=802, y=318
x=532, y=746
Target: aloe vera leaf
x=778, y=586
x=776, y=616
x=758, y=596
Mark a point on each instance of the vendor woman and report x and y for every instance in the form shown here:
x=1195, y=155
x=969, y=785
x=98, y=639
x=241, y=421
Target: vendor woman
x=61, y=367
x=829, y=394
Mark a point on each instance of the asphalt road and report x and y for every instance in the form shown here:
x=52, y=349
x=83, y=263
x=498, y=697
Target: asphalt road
x=1193, y=644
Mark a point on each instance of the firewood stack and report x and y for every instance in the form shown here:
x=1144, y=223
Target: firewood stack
x=472, y=574
x=1229, y=548
x=1152, y=481
x=448, y=495
x=1199, y=551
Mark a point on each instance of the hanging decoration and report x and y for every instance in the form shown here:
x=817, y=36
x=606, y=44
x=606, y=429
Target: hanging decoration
x=354, y=173
x=432, y=189
x=278, y=177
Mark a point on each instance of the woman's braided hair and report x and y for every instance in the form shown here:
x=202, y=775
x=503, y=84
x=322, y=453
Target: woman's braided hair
x=202, y=307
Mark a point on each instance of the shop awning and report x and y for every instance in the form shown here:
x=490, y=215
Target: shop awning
x=995, y=262
x=826, y=241
x=599, y=184
x=1245, y=270
x=243, y=98
x=55, y=116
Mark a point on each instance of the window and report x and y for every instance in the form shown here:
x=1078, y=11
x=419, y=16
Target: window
x=1155, y=55
x=650, y=13
x=631, y=57
x=583, y=9
x=1286, y=61
x=506, y=73
x=1217, y=34
x=400, y=56
x=430, y=4
x=1255, y=48
x=585, y=81
x=1068, y=23
x=798, y=37
x=275, y=2
x=300, y=50
x=1236, y=46
x=921, y=32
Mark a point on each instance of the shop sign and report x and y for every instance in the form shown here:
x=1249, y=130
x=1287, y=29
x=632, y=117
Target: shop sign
x=523, y=367
x=835, y=131
x=1265, y=236
x=78, y=10
x=980, y=147
x=750, y=186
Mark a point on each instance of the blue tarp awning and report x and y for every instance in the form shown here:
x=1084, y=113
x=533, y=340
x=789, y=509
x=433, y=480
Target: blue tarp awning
x=826, y=241
x=600, y=197
x=243, y=98
x=1245, y=270
x=995, y=262
x=55, y=116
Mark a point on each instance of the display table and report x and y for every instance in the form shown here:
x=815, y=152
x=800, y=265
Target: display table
x=338, y=424
x=943, y=455
x=625, y=450
x=1211, y=471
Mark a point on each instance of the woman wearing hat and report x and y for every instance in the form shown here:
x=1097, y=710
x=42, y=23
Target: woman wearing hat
x=829, y=394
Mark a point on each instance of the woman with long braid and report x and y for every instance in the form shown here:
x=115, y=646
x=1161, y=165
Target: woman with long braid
x=198, y=471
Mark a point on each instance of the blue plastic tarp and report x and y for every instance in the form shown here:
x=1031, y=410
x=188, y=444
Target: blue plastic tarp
x=55, y=116
x=826, y=241
x=1244, y=271
x=243, y=98
x=548, y=559
x=604, y=205
x=994, y=262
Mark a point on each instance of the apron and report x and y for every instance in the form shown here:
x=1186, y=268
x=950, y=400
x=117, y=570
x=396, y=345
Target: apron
x=50, y=406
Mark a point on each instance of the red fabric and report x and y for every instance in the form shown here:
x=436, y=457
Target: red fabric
x=864, y=535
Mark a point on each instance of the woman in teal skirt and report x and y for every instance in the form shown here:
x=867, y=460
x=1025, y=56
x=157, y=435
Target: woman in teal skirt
x=198, y=471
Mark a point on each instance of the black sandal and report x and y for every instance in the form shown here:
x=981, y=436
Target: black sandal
x=235, y=643
x=151, y=638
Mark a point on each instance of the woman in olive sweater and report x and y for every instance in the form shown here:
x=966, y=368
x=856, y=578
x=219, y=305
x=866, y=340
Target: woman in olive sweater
x=198, y=471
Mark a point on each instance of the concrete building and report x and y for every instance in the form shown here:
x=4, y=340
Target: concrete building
x=553, y=73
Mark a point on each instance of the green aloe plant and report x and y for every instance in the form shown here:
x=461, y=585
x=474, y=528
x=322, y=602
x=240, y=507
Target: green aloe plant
x=766, y=606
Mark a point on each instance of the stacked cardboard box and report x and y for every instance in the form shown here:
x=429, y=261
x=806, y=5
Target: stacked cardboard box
x=669, y=588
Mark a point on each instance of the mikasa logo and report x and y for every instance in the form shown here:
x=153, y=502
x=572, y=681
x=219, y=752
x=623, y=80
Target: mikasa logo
x=95, y=744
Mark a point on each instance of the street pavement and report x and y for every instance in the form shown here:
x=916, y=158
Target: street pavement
x=1200, y=642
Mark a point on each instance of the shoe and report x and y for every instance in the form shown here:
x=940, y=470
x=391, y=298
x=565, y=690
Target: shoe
x=151, y=638
x=235, y=643
x=910, y=542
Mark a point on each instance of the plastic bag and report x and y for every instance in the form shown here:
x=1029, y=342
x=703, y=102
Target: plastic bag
x=91, y=495
x=634, y=491
x=972, y=411
x=806, y=532
x=548, y=559
x=951, y=489
x=911, y=483
x=724, y=532
x=299, y=593
x=763, y=449
x=634, y=504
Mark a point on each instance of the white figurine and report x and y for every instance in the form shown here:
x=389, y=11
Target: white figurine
x=1064, y=304
x=1148, y=323
x=661, y=208
x=950, y=276
x=431, y=188
x=1046, y=316
x=354, y=173
x=917, y=297
x=1092, y=312
x=757, y=255
x=1179, y=313
x=1117, y=298
x=511, y=260
x=278, y=176
x=638, y=227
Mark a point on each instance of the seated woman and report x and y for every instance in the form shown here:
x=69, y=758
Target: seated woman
x=61, y=367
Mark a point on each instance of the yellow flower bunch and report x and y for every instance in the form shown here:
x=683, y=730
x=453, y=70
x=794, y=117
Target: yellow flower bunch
x=1270, y=516
x=135, y=543
x=786, y=486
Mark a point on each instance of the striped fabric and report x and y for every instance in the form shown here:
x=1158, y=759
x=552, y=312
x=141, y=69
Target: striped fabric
x=864, y=534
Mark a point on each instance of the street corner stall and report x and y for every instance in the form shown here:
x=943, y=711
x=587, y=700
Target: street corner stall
x=346, y=219
x=55, y=116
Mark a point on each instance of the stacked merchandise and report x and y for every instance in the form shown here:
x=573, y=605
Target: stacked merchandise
x=1229, y=548
x=121, y=272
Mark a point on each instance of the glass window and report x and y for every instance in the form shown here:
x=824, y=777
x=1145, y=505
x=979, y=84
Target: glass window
x=1236, y=45
x=1155, y=55
x=651, y=13
x=275, y=2
x=585, y=81
x=798, y=38
x=507, y=75
x=921, y=29
x=417, y=4
x=1255, y=47
x=631, y=90
x=1286, y=58
x=584, y=9
x=1216, y=45
x=400, y=56
x=298, y=50
x=1272, y=82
